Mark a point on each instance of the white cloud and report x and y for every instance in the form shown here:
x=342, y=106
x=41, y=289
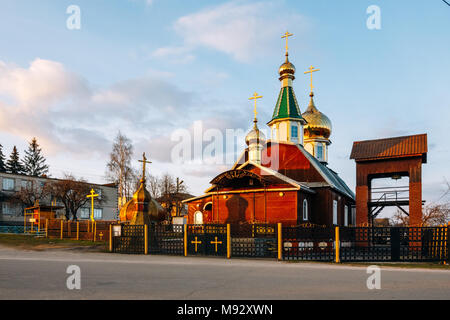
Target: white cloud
x=240, y=29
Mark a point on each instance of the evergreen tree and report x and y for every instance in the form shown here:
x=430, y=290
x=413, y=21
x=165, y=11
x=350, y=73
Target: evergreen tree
x=14, y=165
x=34, y=162
x=2, y=160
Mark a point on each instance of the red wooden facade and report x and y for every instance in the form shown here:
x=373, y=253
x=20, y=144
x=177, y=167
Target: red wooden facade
x=275, y=191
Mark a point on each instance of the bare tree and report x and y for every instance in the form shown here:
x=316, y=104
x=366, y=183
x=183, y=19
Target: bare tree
x=119, y=167
x=433, y=214
x=171, y=191
x=32, y=192
x=72, y=193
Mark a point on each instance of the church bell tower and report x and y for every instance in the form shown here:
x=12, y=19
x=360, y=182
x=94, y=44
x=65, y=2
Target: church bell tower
x=287, y=121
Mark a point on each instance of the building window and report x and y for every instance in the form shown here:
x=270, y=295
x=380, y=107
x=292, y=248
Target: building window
x=346, y=216
x=8, y=184
x=294, y=132
x=85, y=213
x=7, y=209
x=98, y=213
x=99, y=192
x=25, y=184
x=335, y=216
x=305, y=210
x=319, y=152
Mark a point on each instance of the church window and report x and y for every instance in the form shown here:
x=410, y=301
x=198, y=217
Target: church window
x=294, y=132
x=198, y=218
x=305, y=210
x=346, y=212
x=319, y=151
x=335, y=217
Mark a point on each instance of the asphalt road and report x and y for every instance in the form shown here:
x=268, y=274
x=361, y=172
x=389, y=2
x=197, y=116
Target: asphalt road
x=42, y=275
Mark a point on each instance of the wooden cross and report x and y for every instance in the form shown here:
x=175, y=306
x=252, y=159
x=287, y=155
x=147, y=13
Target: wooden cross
x=92, y=196
x=196, y=242
x=287, y=35
x=215, y=242
x=254, y=97
x=144, y=162
x=311, y=70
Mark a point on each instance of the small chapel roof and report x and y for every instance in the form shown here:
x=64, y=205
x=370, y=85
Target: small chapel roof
x=405, y=146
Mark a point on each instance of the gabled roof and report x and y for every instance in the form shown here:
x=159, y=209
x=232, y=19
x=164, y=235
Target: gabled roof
x=415, y=145
x=331, y=177
x=287, y=105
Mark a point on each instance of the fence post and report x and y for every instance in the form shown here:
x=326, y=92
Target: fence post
x=336, y=246
x=78, y=230
x=228, y=242
x=95, y=230
x=46, y=228
x=62, y=229
x=110, y=238
x=185, y=239
x=280, y=242
x=448, y=243
x=145, y=239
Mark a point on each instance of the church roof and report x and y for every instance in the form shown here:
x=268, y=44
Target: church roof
x=330, y=176
x=287, y=105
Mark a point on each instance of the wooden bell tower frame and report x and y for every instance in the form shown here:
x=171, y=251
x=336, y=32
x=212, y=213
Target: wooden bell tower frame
x=384, y=158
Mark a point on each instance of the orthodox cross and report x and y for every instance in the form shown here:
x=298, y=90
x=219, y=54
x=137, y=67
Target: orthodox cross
x=287, y=35
x=215, y=242
x=196, y=242
x=144, y=162
x=311, y=70
x=92, y=196
x=255, y=96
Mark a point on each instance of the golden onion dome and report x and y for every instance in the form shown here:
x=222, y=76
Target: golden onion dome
x=286, y=68
x=318, y=125
x=255, y=135
x=142, y=208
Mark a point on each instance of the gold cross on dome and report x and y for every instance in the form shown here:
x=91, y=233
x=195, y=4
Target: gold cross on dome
x=144, y=162
x=255, y=97
x=287, y=35
x=311, y=70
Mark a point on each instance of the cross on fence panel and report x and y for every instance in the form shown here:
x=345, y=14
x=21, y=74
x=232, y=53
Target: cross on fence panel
x=207, y=239
x=254, y=240
x=308, y=243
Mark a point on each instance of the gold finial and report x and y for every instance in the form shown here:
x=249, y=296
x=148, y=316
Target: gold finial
x=311, y=70
x=287, y=35
x=254, y=97
x=144, y=162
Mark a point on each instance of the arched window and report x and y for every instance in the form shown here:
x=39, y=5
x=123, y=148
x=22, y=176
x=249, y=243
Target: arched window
x=305, y=210
x=198, y=217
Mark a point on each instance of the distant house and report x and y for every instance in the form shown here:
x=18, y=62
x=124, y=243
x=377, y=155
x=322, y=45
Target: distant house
x=11, y=212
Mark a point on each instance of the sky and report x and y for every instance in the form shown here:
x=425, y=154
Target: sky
x=151, y=68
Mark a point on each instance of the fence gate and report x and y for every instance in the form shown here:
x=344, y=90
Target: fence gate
x=166, y=239
x=131, y=240
x=210, y=239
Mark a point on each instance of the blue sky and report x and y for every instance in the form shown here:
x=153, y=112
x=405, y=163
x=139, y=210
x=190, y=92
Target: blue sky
x=151, y=67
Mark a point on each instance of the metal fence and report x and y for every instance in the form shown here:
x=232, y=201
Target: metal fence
x=254, y=240
x=309, y=243
x=312, y=243
x=394, y=244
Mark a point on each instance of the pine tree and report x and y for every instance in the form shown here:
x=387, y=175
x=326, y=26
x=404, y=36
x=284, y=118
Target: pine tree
x=34, y=162
x=14, y=165
x=2, y=160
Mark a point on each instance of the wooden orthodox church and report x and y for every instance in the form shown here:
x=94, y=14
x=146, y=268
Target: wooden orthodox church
x=282, y=179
